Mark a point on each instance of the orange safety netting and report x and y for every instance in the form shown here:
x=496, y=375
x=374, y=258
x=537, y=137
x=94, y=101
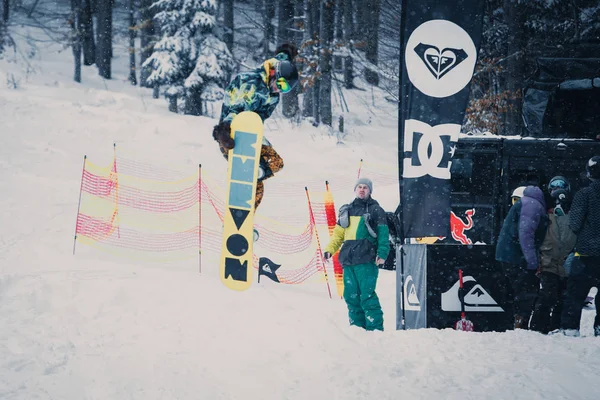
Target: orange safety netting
x=143, y=211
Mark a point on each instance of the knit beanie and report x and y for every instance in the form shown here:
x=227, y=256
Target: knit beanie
x=365, y=181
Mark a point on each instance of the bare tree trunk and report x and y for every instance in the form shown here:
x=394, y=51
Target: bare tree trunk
x=307, y=103
x=228, y=23
x=87, y=33
x=173, y=104
x=348, y=40
x=147, y=39
x=577, y=21
x=285, y=33
x=110, y=26
x=269, y=29
x=132, y=28
x=5, y=8
x=327, y=20
x=515, y=21
x=193, y=103
x=339, y=33
x=285, y=20
x=361, y=10
x=76, y=37
x=104, y=41
x=316, y=21
x=372, y=40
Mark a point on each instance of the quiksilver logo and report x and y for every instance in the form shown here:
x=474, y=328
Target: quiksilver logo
x=412, y=302
x=476, y=299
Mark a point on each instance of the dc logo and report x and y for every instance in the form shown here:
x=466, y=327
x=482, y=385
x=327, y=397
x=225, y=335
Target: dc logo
x=433, y=146
x=440, y=58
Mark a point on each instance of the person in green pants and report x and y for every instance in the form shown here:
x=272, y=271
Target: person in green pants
x=362, y=233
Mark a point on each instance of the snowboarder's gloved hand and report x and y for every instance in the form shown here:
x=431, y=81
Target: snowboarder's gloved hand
x=222, y=134
x=327, y=255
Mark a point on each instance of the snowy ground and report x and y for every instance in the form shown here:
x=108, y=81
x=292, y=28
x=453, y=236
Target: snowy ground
x=99, y=326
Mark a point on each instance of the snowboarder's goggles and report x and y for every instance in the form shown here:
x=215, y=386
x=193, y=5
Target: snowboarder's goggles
x=515, y=199
x=283, y=85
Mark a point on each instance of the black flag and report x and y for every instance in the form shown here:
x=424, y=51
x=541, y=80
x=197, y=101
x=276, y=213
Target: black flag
x=267, y=268
x=439, y=42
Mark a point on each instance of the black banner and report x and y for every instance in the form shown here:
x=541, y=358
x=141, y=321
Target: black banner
x=268, y=268
x=431, y=288
x=438, y=55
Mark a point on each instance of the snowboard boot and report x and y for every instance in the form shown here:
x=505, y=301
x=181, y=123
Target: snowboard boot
x=520, y=322
x=571, y=332
x=565, y=332
x=597, y=331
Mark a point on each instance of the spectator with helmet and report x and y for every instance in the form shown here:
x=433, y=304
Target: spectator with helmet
x=517, y=194
x=555, y=248
x=584, y=221
x=517, y=249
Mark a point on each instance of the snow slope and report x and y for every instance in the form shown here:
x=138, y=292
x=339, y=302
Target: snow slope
x=99, y=326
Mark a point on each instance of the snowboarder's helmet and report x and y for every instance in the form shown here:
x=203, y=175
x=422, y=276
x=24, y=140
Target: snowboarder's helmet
x=558, y=183
x=517, y=194
x=286, y=76
x=593, y=168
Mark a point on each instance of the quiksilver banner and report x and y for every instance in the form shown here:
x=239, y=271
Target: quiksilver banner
x=440, y=40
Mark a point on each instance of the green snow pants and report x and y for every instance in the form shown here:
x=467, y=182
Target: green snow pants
x=364, y=309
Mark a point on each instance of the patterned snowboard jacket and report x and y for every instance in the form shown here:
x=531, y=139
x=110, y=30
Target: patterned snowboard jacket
x=249, y=91
x=358, y=246
x=584, y=219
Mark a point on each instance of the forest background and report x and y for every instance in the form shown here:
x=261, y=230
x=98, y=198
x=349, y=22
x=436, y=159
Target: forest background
x=188, y=50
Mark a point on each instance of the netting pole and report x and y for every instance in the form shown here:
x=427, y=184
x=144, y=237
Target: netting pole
x=331, y=222
x=359, y=168
x=319, y=250
x=199, y=218
x=116, y=189
x=79, y=203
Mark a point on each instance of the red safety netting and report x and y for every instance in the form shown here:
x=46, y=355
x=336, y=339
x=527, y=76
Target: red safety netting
x=137, y=209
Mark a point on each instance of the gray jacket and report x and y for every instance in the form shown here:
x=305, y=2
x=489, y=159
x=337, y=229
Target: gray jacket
x=557, y=245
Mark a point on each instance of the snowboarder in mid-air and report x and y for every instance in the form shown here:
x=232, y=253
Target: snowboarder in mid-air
x=258, y=91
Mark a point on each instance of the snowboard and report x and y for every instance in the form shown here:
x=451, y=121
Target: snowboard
x=238, y=221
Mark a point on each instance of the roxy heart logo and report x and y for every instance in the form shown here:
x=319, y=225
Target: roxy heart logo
x=440, y=62
x=440, y=58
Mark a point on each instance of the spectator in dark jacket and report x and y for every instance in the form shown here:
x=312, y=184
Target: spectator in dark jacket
x=518, y=246
x=584, y=220
x=557, y=245
x=362, y=233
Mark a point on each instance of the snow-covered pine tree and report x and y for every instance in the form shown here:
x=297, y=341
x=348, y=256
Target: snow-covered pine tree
x=189, y=59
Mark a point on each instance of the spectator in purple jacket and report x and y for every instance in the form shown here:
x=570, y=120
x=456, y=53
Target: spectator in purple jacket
x=518, y=247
